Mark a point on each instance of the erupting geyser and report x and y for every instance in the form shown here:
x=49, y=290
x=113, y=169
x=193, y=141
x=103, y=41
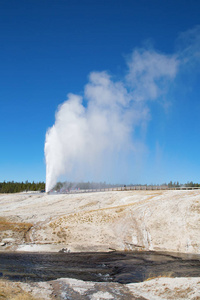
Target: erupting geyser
x=94, y=134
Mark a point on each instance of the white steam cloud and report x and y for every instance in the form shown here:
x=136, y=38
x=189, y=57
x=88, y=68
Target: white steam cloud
x=93, y=132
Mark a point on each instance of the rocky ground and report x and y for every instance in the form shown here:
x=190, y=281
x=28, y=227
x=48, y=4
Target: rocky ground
x=126, y=220
x=67, y=288
x=103, y=221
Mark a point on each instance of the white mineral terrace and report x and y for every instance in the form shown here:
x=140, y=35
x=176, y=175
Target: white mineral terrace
x=160, y=220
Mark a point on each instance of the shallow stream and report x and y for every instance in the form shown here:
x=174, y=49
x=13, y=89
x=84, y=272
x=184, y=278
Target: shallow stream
x=122, y=267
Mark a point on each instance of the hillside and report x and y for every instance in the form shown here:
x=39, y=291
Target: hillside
x=125, y=220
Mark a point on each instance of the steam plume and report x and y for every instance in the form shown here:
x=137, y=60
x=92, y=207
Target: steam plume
x=94, y=134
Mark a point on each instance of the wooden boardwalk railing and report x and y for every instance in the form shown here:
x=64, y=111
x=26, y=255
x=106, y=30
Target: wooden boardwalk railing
x=130, y=188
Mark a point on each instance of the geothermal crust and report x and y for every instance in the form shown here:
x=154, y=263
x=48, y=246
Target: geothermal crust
x=68, y=288
x=101, y=221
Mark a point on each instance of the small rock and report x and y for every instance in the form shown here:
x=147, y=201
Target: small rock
x=64, y=250
x=8, y=240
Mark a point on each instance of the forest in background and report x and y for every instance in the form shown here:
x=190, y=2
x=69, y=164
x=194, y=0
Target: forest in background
x=70, y=186
x=17, y=187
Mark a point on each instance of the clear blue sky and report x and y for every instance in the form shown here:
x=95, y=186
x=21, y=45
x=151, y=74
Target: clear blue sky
x=49, y=47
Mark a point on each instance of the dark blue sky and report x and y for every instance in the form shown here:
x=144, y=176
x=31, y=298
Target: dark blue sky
x=48, y=48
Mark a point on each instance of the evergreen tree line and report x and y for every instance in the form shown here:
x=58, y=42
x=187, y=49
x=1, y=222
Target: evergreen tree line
x=16, y=187
x=188, y=184
x=67, y=186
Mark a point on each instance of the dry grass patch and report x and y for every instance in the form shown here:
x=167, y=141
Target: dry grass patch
x=16, y=231
x=13, y=291
x=165, y=275
x=195, y=207
x=93, y=203
x=13, y=226
x=181, y=292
